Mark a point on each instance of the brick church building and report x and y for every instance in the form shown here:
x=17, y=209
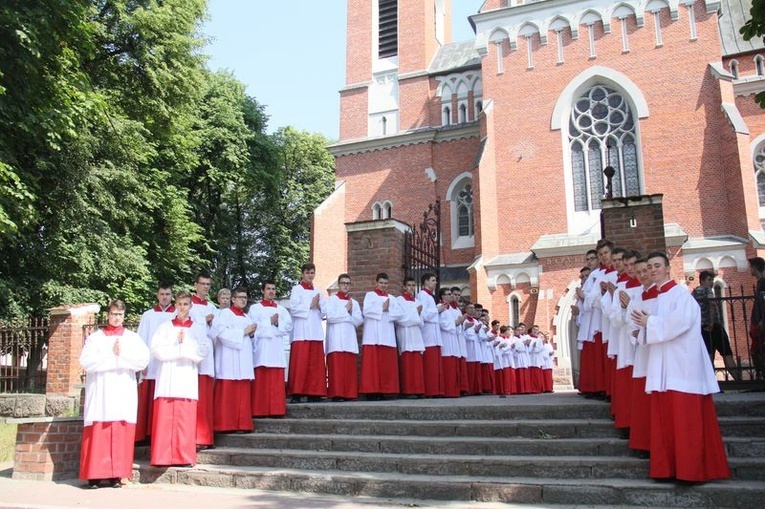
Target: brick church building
x=512, y=129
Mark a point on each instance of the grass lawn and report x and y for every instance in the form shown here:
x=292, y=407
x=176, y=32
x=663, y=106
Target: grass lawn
x=7, y=441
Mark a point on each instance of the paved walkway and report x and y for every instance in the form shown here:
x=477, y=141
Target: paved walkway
x=70, y=495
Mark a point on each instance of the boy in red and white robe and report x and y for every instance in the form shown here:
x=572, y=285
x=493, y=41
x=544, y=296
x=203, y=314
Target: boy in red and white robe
x=234, y=372
x=379, y=354
x=307, y=375
x=204, y=312
x=178, y=346
x=410, y=344
x=431, y=336
x=269, y=397
x=342, y=345
x=151, y=319
x=686, y=443
x=111, y=357
x=470, y=328
x=450, y=322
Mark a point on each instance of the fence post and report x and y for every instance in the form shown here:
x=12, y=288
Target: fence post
x=65, y=347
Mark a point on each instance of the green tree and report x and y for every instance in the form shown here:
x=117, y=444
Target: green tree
x=755, y=27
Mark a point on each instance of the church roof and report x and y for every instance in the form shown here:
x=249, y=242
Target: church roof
x=456, y=55
x=733, y=15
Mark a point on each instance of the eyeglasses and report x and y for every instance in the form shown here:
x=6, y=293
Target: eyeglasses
x=344, y=283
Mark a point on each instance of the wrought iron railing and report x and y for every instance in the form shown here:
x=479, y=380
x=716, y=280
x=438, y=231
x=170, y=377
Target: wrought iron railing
x=24, y=355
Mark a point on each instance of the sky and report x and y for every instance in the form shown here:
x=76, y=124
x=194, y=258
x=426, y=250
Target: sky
x=291, y=55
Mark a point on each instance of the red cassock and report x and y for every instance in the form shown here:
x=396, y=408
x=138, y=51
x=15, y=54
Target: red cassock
x=205, y=435
x=107, y=450
x=411, y=372
x=379, y=370
x=268, y=392
x=145, y=410
x=451, y=376
x=640, y=416
x=463, y=376
x=620, y=397
x=232, y=410
x=592, y=371
x=499, y=385
x=434, y=371
x=342, y=375
x=307, y=372
x=686, y=443
x=174, y=432
x=487, y=379
x=547, y=375
x=510, y=381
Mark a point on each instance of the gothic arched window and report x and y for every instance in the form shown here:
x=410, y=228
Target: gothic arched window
x=460, y=197
x=465, y=210
x=602, y=133
x=759, y=172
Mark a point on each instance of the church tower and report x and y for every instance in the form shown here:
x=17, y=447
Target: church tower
x=390, y=44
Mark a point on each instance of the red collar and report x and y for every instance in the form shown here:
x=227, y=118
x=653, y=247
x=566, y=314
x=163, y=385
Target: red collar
x=469, y=318
x=197, y=300
x=237, y=311
x=111, y=330
x=168, y=309
x=453, y=305
x=633, y=283
x=428, y=290
x=268, y=303
x=307, y=286
x=667, y=286
x=178, y=323
x=343, y=296
x=407, y=297
x=380, y=293
x=609, y=269
x=622, y=278
x=651, y=293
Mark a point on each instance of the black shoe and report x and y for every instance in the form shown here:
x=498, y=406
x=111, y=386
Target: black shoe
x=314, y=399
x=295, y=399
x=93, y=484
x=115, y=482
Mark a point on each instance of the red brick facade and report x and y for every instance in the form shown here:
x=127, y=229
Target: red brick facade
x=694, y=130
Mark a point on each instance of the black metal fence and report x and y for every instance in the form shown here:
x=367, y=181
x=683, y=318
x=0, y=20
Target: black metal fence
x=422, y=245
x=734, y=347
x=24, y=356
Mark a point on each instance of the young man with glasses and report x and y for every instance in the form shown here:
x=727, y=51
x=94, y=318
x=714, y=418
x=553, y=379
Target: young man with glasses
x=342, y=348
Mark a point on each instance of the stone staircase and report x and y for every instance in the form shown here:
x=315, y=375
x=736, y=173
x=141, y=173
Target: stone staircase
x=551, y=449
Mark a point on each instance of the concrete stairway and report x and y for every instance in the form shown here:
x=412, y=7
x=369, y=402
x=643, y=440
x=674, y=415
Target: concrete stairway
x=551, y=449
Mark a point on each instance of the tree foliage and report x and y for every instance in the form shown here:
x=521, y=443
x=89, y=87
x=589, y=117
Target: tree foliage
x=755, y=27
x=124, y=161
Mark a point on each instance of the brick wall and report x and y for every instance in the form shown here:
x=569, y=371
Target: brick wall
x=48, y=450
x=374, y=247
x=65, y=346
x=646, y=211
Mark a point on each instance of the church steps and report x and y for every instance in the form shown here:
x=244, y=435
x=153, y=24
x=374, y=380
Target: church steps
x=487, y=449
x=430, y=445
x=543, y=466
x=519, y=490
x=530, y=428
x=742, y=447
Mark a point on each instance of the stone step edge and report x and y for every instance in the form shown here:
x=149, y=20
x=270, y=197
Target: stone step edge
x=620, y=482
x=477, y=439
x=477, y=422
x=420, y=487
x=575, y=460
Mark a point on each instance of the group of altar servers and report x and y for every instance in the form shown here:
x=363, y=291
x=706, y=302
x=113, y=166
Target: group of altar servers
x=203, y=369
x=641, y=347
x=413, y=345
